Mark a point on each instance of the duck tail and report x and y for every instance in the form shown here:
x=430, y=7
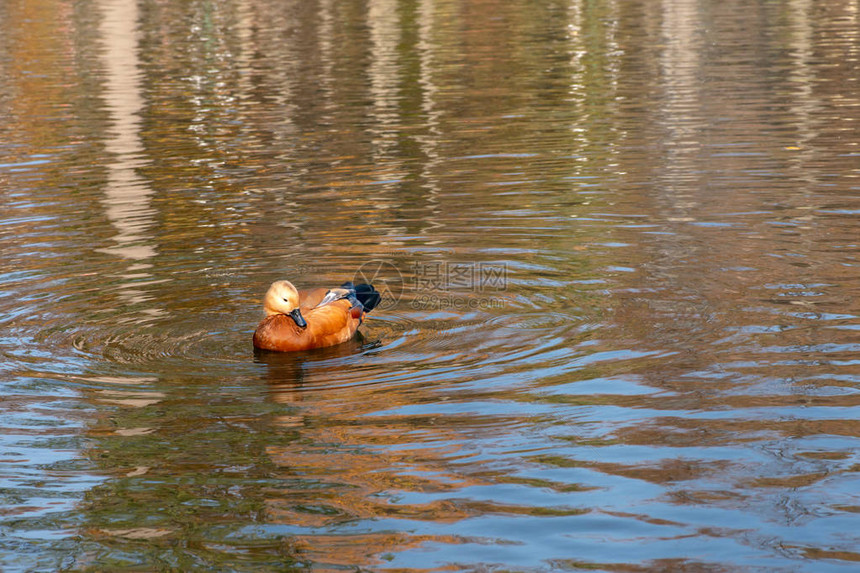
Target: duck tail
x=368, y=296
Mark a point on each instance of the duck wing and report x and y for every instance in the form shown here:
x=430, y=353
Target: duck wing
x=311, y=297
x=332, y=323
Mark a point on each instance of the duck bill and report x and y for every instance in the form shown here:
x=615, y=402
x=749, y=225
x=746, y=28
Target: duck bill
x=297, y=317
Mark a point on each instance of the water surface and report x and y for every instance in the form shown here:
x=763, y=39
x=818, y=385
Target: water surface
x=619, y=244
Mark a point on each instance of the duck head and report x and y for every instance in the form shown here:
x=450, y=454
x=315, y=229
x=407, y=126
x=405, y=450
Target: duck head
x=283, y=298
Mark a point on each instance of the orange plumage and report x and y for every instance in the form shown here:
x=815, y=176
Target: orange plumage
x=315, y=318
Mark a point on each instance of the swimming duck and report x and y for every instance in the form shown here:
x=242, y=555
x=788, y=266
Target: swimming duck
x=306, y=319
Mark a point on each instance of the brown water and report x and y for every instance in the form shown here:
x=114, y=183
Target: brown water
x=619, y=243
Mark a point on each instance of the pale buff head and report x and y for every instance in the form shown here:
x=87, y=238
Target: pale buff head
x=283, y=298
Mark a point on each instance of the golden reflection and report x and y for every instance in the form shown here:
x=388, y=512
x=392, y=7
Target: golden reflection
x=488, y=129
x=37, y=42
x=345, y=551
x=361, y=462
x=136, y=533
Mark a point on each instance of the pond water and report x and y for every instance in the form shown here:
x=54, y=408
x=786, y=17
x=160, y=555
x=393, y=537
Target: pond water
x=619, y=243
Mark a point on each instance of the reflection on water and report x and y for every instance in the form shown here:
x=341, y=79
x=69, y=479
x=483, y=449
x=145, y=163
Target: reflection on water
x=127, y=194
x=622, y=239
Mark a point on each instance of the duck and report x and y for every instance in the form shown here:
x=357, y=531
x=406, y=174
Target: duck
x=315, y=318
